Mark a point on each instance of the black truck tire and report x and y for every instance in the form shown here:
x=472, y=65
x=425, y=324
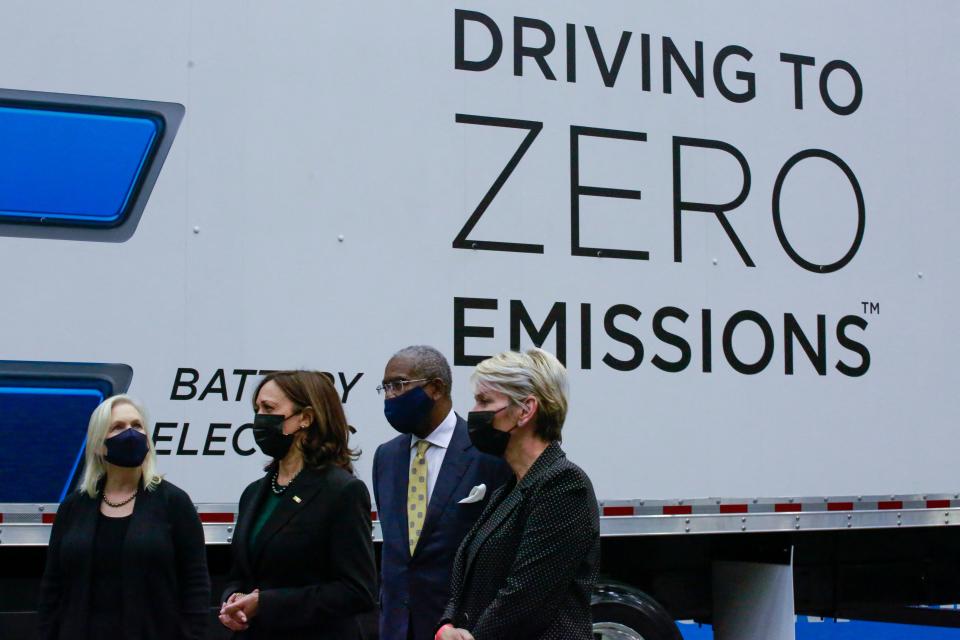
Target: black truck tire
x=638, y=618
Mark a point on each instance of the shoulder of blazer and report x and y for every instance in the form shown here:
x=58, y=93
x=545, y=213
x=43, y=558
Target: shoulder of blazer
x=250, y=491
x=400, y=442
x=172, y=495
x=70, y=503
x=335, y=478
x=554, y=468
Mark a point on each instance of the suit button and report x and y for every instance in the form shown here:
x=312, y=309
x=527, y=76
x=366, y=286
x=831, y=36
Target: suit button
x=406, y=603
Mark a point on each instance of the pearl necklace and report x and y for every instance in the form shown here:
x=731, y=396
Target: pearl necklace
x=121, y=503
x=278, y=489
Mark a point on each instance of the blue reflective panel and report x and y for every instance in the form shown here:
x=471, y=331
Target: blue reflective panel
x=42, y=433
x=829, y=629
x=71, y=166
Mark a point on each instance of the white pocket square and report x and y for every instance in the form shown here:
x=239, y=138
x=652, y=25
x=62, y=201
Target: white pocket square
x=476, y=494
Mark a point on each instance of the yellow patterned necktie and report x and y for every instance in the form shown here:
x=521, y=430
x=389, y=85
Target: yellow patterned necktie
x=417, y=494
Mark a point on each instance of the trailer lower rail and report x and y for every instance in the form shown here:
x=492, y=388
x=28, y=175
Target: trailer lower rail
x=30, y=524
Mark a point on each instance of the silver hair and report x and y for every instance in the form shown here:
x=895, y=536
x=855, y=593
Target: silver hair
x=428, y=363
x=532, y=373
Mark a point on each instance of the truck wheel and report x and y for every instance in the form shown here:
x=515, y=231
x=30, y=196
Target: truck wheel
x=623, y=613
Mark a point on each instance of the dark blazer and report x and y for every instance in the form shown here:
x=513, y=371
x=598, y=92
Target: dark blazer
x=313, y=560
x=166, y=588
x=414, y=590
x=528, y=567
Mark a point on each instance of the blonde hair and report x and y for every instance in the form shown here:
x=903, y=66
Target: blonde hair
x=97, y=430
x=534, y=373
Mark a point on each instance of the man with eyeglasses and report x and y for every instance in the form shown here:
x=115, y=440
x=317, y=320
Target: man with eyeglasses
x=430, y=485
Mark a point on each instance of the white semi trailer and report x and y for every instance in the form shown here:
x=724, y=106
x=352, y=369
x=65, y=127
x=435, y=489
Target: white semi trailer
x=736, y=223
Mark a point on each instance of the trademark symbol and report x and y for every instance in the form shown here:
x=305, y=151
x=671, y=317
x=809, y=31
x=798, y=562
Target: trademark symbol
x=871, y=308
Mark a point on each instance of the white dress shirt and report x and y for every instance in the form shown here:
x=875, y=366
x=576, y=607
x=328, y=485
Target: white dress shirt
x=439, y=440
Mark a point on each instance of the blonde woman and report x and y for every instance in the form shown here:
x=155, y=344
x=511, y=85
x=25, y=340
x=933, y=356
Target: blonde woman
x=528, y=566
x=126, y=557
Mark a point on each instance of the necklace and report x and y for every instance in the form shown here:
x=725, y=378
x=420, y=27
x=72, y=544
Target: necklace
x=277, y=488
x=121, y=503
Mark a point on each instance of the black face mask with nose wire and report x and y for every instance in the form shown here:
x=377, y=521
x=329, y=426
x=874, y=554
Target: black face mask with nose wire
x=269, y=436
x=484, y=436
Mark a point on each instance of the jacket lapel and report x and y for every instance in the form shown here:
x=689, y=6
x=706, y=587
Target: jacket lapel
x=242, y=531
x=83, y=527
x=398, y=497
x=132, y=580
x=513, y=499
x=455, y=464
x=303, y=488
x=501, y=511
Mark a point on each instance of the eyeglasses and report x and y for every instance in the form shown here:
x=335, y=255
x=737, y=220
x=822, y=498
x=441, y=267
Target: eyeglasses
x=396, y=388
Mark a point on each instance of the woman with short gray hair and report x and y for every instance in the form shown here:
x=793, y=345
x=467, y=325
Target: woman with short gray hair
x=529, y=565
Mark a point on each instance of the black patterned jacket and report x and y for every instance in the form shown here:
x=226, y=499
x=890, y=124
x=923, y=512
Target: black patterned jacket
x=528, y=566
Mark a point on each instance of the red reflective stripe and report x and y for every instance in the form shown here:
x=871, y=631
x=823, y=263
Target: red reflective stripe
x=938, y=504
x=677, y=510
x=618, y=511
x=890, y=504
x=48, y=518
x=1, y=518
x=373, y=515
x=787, y=507
x=216, y=517
x=733, y=508
x=839, y=506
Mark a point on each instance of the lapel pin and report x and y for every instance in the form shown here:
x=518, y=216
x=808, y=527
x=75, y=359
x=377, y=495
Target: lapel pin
x=297, y=499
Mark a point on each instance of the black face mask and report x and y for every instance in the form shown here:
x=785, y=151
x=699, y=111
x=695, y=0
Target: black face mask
x=126, y=449
x=482, y=434
x=269, y=435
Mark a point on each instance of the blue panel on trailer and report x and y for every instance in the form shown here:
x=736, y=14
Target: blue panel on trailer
x=843, y=630
x=42, y=438
x=72, y=166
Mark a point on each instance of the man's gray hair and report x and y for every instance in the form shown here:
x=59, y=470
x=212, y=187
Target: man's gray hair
x=428, y=363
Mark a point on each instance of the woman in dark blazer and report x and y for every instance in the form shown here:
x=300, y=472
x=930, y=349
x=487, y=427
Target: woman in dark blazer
x=527, y=568
x=303, y=550
x=126, y=557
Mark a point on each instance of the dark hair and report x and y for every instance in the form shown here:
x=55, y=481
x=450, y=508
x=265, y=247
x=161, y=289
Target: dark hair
x=428, y=362
x=327, y=438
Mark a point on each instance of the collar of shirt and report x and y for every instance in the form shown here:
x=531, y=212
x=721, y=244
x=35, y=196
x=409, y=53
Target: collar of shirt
x=441, y=436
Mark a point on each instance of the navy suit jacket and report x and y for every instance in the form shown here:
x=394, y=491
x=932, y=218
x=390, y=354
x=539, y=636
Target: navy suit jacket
x=414, y=589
